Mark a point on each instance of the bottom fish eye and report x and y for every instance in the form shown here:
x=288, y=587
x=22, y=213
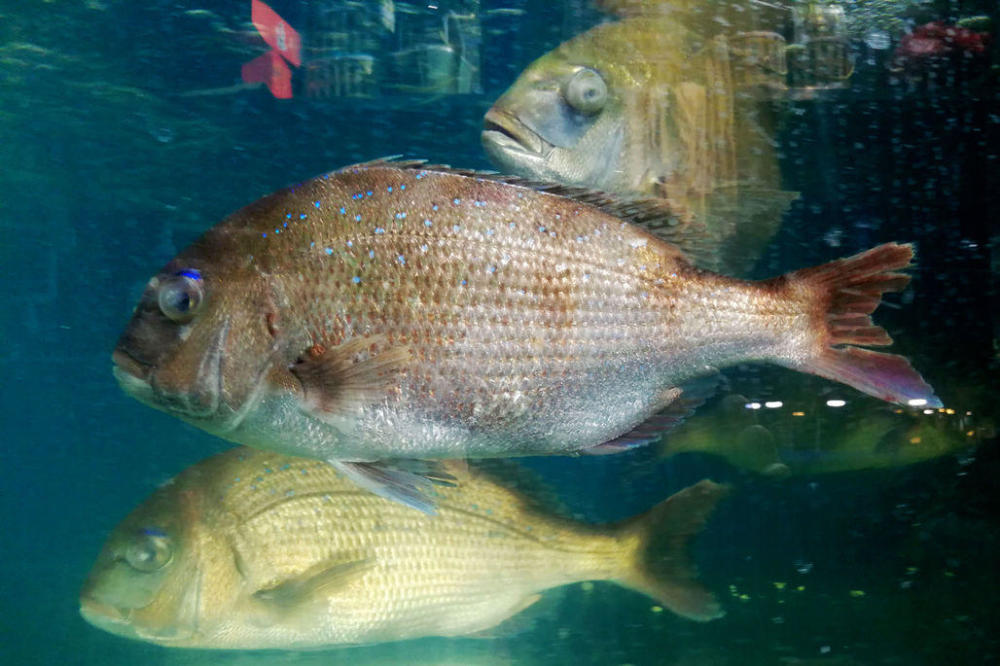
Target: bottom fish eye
x=149, y=551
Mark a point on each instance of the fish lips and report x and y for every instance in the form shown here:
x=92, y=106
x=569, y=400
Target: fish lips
x=107, y=618
x=200, y=400
x=504, y=137
x=114, y=621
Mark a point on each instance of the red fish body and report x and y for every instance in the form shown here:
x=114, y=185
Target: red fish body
x=393, y=310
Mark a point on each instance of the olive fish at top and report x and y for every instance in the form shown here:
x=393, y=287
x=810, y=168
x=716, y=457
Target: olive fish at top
x=254, y=550
x=399, y=311
x=675, y=100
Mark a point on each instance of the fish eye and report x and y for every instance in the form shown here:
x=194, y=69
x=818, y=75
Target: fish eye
x=586, y=91
x=180, y=295
x=149, y=551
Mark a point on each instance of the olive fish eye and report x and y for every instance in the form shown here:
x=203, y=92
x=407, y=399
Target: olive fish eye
x=180, y=295
x=149, y=551
x=586, y=91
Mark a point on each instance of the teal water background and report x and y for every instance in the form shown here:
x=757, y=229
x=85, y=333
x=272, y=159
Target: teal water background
x=109, y=166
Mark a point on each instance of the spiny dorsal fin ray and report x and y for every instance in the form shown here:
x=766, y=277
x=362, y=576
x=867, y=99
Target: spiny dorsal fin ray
x=655, y=215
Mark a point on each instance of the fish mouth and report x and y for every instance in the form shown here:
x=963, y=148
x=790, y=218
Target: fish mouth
x=107, y=618
x=202, y=400
x=114, y=621
x=503, y=133
x=126, y=364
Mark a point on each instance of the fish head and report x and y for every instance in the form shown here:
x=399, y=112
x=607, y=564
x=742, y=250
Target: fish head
x=563, y=120
x=201, y=338
x=146, y=582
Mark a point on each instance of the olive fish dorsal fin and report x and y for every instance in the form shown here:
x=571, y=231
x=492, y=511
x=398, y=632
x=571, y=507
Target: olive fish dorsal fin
x=533, y=493
x=313, y=583
x=658, y=216
x=357, y=372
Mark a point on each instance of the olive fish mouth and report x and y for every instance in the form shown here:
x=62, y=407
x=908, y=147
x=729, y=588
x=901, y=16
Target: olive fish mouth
x=115, y=621
x=503, y=133
x=107, y=618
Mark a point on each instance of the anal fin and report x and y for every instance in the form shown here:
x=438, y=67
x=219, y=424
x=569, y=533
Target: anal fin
x=678, y=403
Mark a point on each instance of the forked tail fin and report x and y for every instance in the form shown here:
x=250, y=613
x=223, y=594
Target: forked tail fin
x=846, y=291
x=662, y=566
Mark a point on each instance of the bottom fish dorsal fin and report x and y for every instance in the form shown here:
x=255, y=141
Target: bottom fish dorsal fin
x=314, y=584
x=409, y=482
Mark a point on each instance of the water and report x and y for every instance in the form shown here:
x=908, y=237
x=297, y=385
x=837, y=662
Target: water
x=120, y=142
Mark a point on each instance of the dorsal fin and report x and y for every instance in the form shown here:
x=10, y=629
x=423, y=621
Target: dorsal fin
x=656, y=215
x=535, y=495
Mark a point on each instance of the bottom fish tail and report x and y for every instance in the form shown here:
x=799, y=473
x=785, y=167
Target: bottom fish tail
x=846, y=292
x=662, y=566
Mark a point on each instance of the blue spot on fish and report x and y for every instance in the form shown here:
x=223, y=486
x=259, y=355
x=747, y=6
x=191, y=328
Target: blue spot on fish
x=379, y=230
x=371, y=254
x=350, y=243
x=192, y=273
x=402, y=187
x=357, y=218
x=285, y=225
x=329, y=250
x=316, y=203
x=427, y=223
x=456, y=201
x=369, y=193
x=456, y=228
x=343, y=211
x=389, y=189
x=434, y=207
x=263, y=235
x=302, y=216
x=356, y=279
x=401, y=259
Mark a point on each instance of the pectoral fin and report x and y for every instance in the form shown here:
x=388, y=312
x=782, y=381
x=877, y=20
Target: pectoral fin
x=409, y=482
x=314, y=584
x=338, y=380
